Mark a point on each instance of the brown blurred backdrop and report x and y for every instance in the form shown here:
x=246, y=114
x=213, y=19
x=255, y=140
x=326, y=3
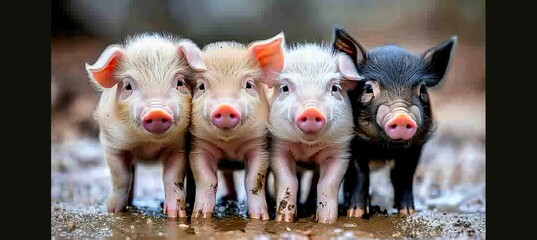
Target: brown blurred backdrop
x=82, y=29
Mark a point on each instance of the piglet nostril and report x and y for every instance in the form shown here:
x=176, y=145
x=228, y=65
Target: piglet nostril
x=400, y=126
x=157, y=121
x=225, y=116
x=311, y=120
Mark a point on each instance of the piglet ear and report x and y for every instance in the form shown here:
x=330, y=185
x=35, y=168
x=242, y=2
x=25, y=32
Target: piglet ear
x=347, y=68
x=269, y=54
x=343, y=42
x=102, y=72
x=437, y=59
x=192, y=54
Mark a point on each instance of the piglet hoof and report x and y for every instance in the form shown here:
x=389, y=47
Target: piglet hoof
x=325, y=219
x=201, y=214
x=202, y=210
x=355, y=212
x=407, y=211
x=117, y=205
x=285, y=217
x=261, y=216
x=173, y=209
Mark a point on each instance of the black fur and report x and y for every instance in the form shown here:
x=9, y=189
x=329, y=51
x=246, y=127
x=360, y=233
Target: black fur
x=398, y=72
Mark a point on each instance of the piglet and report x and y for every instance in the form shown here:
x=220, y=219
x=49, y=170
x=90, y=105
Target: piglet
x=311, y=123
x=144, y=112
x=229, y=119
x=392, y=115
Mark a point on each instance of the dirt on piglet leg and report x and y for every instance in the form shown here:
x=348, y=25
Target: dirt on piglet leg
x=256, y=171
x=173, y=178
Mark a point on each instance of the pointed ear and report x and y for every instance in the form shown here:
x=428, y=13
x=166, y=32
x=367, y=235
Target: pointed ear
x=102, y=72
x=343, y=42
x=269, y=54
x=192, y=53
x=347, y=68
x=437, y=60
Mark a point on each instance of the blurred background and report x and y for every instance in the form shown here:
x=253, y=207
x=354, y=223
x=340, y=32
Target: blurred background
x=451, y=175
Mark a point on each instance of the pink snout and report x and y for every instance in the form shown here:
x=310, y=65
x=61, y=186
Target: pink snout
x=225, y=116
x=401, y=126
x=157, y=121
x=311, y=120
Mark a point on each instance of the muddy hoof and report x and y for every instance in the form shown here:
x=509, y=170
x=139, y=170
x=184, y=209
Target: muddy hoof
x=407, y=211
x=287, y=217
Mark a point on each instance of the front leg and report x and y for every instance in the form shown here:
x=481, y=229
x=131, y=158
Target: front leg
x=174, y=179
x=356, y=188
x=256, y=173
x=122, y=173
x=284, y=168
x=402, y=176
x=331, y=172
x=204, y=171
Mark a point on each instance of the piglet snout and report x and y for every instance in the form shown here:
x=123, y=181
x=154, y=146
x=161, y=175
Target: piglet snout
x=225, y=116
x=311, y=120
x=157, y=121
x=400, y=126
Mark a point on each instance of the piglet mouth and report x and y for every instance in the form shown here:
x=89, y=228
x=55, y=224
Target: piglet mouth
x=157, y=120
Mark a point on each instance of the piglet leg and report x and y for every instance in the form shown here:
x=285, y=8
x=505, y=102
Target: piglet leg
x=331, y=174
x=204, y=171
x=284, y=169
x=402, y=177
x=173, y=178
x=356, y=186
x=256, y=172
x=122, y=173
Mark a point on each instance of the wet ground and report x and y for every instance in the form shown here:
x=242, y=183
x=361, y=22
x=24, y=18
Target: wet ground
x=447, y=206
x=147, y=223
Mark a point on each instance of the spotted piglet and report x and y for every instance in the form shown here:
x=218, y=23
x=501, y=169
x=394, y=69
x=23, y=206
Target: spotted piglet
x=229, y=119
x=144, y=111
x=311, y=122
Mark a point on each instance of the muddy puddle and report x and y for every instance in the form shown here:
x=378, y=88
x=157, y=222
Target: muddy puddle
x=450, y=200
x=90, y=222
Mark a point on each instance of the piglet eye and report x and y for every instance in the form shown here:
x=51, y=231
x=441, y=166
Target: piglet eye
x=423, y=93
x=180, y=83
x=128, y=86
x=285, y=88
x=335, y=88
x=368, y=88
x=248, y=85
x=423, y=89
x=201, y=87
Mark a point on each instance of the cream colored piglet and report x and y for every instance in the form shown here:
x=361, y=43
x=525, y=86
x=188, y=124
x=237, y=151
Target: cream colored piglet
x=144, y=112
x=229, y=119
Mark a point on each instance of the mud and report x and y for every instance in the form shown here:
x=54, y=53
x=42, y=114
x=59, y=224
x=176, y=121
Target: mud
x=81, y=182
x=92, y=222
